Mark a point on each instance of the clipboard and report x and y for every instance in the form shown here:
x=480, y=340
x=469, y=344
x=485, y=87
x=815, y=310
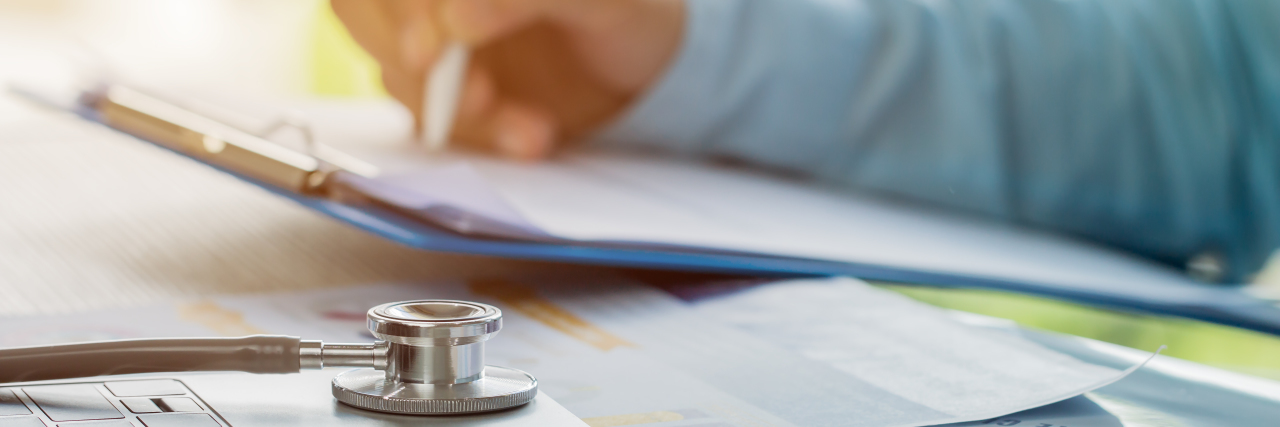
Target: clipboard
x=316, y=178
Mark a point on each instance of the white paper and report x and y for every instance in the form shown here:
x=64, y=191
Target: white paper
x=616, y=197
x=647, y=199
x=453, y=196
x=611, y=350
x=1079, y=411
x=907, y=348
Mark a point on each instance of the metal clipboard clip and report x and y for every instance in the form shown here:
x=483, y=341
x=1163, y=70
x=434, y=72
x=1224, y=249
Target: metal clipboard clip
x=320, y=171
x=243, y=152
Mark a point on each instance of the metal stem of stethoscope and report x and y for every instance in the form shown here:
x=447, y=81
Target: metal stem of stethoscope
x=430, y=360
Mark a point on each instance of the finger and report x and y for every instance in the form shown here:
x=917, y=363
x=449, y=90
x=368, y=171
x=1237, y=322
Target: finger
x=476, y=22
x=511, y=128
x=371, y=24
x=419, y=36
x=407, y=89
x=523, y=132
x=478, y=96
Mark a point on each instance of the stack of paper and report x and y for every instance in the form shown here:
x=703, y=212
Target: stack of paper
x=808, y=353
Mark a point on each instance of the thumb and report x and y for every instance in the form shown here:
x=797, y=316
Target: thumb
x=419, y=37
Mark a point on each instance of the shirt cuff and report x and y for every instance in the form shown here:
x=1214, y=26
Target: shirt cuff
x=679, y=111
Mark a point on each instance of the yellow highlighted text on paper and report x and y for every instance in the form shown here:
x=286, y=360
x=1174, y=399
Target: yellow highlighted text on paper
x=633, y=419
x=223, y=321
x=525, y=300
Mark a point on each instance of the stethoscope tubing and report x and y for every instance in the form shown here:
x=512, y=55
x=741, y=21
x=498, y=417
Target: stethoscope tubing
x=264, y=354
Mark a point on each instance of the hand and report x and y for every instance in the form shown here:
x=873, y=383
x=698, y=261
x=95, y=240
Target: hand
x=542, y=71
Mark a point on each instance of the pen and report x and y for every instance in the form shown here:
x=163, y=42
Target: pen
x=442, y=93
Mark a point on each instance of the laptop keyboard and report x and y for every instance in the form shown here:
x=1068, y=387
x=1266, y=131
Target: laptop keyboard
x=140, y=403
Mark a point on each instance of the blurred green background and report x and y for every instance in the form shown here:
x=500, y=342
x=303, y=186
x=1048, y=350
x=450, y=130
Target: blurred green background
x=338, y=67
x=1211, y=344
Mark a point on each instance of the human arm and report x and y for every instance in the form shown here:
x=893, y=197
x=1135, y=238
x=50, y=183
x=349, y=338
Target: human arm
x=1140, y=124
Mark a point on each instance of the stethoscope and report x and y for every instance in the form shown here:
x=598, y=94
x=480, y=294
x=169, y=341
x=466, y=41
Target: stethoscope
x=430, y=360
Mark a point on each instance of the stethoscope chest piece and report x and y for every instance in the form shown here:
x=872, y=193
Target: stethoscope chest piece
x=500, y=388
x=434, y=363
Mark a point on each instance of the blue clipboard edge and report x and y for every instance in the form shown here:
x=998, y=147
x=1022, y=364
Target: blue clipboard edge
x=1234, y=309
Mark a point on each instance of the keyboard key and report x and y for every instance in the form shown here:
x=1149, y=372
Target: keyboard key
x=21, y=422
x=146, y=388
x=10, y=405
x=179, y=404
x=178, y=420
x=141, y=406
x=73, y=402
x=109, y=423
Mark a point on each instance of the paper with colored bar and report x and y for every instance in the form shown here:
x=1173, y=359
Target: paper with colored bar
x=830, y=352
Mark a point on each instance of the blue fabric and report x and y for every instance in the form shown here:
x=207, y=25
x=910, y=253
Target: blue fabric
x=1150, y=125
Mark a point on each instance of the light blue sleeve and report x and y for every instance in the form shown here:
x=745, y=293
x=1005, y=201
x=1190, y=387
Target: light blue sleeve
x=1150, y=125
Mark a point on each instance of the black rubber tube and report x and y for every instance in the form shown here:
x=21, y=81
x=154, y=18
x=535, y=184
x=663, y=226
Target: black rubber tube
x=263, y=354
